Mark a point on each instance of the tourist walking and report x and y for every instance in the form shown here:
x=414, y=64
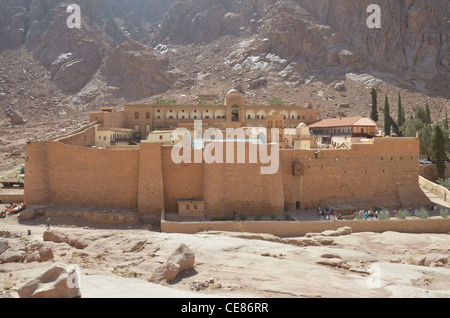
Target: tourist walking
x=48, y=224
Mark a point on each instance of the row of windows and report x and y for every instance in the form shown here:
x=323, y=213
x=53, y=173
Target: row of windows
x=220, y=116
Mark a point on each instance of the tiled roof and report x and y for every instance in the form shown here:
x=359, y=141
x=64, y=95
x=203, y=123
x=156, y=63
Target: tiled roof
x=344, y=122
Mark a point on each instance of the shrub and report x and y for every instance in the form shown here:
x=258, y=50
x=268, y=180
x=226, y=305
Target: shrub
x=382, y=215
x=444, y=182
x=276, y=101
x=242, y=217
x=258, y=217
x=444, y=213
x=423, y=213
x=162, y=101
x=402, y=214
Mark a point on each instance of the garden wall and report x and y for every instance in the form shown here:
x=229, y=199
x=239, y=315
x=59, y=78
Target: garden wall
x=292, y=229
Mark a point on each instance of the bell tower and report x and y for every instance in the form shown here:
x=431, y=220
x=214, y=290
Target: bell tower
x=275, y=120
x=235, y=107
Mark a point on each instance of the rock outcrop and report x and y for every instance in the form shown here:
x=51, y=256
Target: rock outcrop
x=326, y=37
x=413, y=38
x=203, y=21
x=59, y=237
x=58, y=281
x=180, y=260
x=73, y=56
x=136, y=71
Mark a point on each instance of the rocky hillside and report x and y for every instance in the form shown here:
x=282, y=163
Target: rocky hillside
x=294, y=49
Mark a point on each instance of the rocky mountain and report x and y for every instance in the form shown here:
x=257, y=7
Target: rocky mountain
x=294, y=49
x=413, y=39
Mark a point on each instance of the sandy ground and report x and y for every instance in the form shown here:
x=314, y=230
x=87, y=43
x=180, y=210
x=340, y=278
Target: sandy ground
x=379, y=265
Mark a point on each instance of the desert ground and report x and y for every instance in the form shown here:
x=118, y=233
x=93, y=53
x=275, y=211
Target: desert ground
x=121, y=263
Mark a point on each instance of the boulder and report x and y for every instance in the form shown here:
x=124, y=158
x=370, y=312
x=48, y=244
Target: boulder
x=45, y=254
x=171, y=271
x=257, y=83
x=322, y=240
x=27, y=214
x=330, y=233
x=57, y=237
x=183, y=256
x=346, y=57
x=346, y=230
x=182, y=259
x=10, y=256
x=340, y=231
x=17, y=118
x=339, y=87
x=55, y=282
x=4, y=245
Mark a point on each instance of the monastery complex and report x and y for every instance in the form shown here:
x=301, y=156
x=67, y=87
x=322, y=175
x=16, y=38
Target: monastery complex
x=123, y=159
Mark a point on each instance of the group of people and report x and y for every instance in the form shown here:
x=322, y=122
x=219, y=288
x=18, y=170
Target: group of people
x=328, y=213
x=370, y=214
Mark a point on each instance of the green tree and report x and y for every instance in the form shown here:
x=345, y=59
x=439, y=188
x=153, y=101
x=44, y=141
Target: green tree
x=421, y=114
x=374, y=112
x=387, y=117
x=446, y=133
x=438, y=150
x=276, y=101
x=428, y=114
x=413, y=126
x=401, y=112
x=395, y=127
x=446, y=119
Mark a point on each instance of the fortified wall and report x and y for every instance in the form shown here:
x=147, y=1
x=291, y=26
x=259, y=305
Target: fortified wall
x=67, y=172
x=383, y=174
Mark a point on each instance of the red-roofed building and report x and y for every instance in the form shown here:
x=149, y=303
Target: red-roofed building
x=339, y=132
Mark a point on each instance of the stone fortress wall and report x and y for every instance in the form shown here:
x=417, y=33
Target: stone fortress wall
x=145, y=178
x=71, y=171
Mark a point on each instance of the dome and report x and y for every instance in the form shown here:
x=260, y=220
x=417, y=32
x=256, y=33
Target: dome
x=301, y=125
x=234, y=92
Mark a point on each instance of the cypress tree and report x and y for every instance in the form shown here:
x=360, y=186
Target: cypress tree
x=446, y=119
x=438, y=151
x=421, y=114
x=428, y=114
x=374, y=113
x=401, y=114
x=387, y=117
